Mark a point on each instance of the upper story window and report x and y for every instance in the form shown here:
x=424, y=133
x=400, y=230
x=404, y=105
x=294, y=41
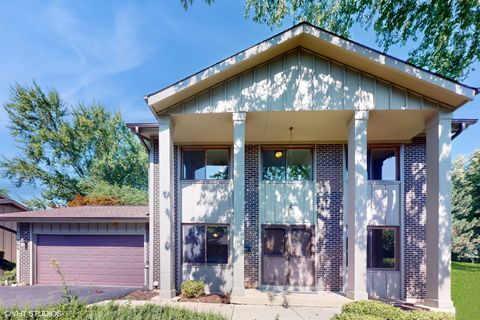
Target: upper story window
x=287, y=164
x=383, y=163
x=205, y=164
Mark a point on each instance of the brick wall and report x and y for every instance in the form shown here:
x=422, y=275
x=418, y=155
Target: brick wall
x=155, y=237
x=329, y=178
x=414, y=164
x=23, y=259
x=251, y=215
x=176, y=218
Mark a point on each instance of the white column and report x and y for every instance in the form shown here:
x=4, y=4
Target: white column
x=151, y=206
x=439, y=211
x=238, y=202
x=357, y=206
x=165, y=177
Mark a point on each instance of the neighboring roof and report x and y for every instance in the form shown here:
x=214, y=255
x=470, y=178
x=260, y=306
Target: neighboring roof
x=7, y=201
x=343, y=50
x=83, y=214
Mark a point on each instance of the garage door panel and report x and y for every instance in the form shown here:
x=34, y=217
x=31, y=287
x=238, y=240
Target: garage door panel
x=103, y=260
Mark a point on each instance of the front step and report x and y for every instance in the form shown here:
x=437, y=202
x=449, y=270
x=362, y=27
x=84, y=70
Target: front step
x=324, y=299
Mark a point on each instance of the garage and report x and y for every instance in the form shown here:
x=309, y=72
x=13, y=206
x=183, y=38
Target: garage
x=91, y=259
x=94, y=245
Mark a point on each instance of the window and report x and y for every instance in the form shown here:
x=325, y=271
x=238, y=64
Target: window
x=287, y=164
x=382, y=248
x=205, y=164
x=383, y=163
x=205, y=244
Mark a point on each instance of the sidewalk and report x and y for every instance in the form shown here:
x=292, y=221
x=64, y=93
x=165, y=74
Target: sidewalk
x=247, y=312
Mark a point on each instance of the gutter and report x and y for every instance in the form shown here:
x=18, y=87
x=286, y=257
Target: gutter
x=8, y=229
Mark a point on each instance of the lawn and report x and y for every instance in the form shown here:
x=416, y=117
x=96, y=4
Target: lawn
x=466, y=290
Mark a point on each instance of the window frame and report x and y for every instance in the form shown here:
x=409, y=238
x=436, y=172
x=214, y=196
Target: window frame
x=228, y=263
x=205, y=149
x=396, y=237
x=310, y=148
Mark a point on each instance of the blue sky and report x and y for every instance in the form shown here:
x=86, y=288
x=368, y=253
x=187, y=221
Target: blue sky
x=115, y=52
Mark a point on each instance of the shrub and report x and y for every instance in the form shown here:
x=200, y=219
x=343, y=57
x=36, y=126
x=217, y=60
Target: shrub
x=10, y=276
x=193, y=288
x=376, y=310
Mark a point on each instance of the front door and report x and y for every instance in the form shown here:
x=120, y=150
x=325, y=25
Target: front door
x=288, y=256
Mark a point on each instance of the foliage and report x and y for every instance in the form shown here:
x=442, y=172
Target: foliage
x=62, y=146
x=466, y=289
x=80, y=201
x=10, y=276
x=466, y=208
x=376, y=310
x=4, y=192
x=125, y=195
x=79, y=311
x=192, y=288
x=67, y=293
x=445, y=33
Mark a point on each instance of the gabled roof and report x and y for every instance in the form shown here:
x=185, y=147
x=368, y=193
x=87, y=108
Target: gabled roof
x=82, y=214
x=343, y=50
x=7, y=201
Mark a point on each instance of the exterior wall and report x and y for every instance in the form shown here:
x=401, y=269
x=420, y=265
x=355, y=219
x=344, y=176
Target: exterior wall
x=252, y=257
x=24, y=253
x=415, y=219
x=285, y=84
x=8, y=239
x=329, y=204
x=155, y=218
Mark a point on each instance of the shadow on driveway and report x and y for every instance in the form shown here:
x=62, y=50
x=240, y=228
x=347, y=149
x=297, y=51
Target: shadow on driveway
x=37, y=295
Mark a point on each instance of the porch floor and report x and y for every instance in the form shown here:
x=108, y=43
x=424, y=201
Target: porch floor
x=324, y=299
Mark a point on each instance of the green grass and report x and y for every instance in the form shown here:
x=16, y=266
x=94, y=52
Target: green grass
x=80, y=311
x=466, y=290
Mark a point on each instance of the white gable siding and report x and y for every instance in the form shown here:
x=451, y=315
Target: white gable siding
x=301, y=80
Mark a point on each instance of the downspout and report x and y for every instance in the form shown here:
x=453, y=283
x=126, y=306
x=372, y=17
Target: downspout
x=461, y=128
x=142, y=139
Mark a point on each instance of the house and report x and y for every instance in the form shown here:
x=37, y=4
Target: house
x=8, y=231
x=307, y=162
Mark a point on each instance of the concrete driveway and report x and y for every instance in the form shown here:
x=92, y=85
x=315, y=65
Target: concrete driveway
x=34, y=296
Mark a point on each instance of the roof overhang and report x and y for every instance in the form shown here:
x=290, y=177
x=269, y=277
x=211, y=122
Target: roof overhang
x=13, y=203
x=73, y=219
x=350, y=53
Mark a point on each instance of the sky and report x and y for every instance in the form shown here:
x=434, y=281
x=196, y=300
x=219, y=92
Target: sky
x=116, y=52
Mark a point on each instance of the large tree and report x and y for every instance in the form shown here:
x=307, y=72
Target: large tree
x=466, y=208
x=444, y=34
x=61, y=148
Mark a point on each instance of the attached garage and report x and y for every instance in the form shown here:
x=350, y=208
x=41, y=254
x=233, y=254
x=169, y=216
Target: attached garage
x=94, y=245
x=91, y=259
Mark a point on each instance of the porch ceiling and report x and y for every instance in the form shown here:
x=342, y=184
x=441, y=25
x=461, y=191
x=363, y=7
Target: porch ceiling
x=309, y=126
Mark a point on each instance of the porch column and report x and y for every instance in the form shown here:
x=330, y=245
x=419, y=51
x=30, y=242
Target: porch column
x=165, y=177
x=238, y=202
x=439, y=211
x=357, y=206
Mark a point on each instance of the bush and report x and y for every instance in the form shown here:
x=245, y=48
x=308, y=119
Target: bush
x=193, y=288
x=80, y=311
x=10, y=276
x=376, y=310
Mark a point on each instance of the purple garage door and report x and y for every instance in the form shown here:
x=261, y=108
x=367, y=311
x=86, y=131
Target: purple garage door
x=91, y=260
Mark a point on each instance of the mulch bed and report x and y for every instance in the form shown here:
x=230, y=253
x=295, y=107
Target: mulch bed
x=140, y=295
x=207, y=298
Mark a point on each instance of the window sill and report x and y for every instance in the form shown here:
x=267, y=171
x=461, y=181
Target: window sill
x=206, y=181
x=382, y=269
x=207, y=265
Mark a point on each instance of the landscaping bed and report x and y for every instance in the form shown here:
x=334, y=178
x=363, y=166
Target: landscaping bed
x=140, y=295
x=207, y=298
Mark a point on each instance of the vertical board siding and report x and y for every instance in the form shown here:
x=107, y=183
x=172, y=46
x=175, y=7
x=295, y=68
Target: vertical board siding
x=287, y=202
x=8, y=239
x=383, y=204
x=302, y=80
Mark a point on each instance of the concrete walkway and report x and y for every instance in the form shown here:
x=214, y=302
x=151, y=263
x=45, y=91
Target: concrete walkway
x=248, y=312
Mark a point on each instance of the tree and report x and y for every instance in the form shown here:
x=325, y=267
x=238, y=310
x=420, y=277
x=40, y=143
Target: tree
x=4, y=192
x=466, y=208
x=446, y=32
x=61, y=147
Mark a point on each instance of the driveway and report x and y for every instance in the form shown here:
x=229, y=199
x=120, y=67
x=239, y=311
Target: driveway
x=34, y=296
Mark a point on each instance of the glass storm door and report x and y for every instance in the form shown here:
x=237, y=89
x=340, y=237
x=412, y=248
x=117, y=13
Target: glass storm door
x=287, y=256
